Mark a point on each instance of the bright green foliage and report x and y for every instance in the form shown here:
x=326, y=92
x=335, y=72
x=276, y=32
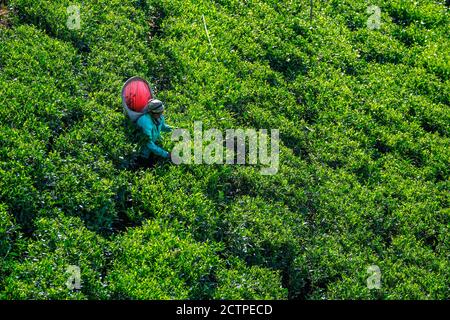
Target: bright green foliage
x=240, y=282
x=9, y=236
x=58, y=243
x=364, y=163
x=157, y=261
x=11, y=243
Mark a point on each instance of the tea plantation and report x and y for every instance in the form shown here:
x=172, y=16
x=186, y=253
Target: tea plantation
x=363, y=180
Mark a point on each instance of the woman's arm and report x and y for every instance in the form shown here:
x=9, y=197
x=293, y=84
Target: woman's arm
x=157, y=150
x=164, y=126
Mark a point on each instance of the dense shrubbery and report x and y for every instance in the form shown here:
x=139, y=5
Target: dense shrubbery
x=363, y=179
x=42, y=272
x=159, y=261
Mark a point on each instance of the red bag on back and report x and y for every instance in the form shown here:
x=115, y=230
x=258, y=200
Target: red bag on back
x=137, y=94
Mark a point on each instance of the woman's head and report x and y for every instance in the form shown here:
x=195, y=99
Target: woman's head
x=156, y=108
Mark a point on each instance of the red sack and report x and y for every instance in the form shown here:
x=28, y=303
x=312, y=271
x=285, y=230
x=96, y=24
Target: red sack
x=136, y=94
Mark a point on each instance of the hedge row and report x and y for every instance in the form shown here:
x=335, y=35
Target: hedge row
x=363, y=175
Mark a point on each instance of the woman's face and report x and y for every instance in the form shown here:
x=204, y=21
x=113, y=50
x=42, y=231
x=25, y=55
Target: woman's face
x=157, y=115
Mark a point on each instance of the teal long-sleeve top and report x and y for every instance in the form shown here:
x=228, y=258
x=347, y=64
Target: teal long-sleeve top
x=153, y=130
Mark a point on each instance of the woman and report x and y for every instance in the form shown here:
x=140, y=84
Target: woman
x=152, y=124
x=146, y=112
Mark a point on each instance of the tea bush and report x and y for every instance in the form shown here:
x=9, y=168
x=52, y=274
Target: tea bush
x=159, y=261
x=363, y=177
x=56, y=244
